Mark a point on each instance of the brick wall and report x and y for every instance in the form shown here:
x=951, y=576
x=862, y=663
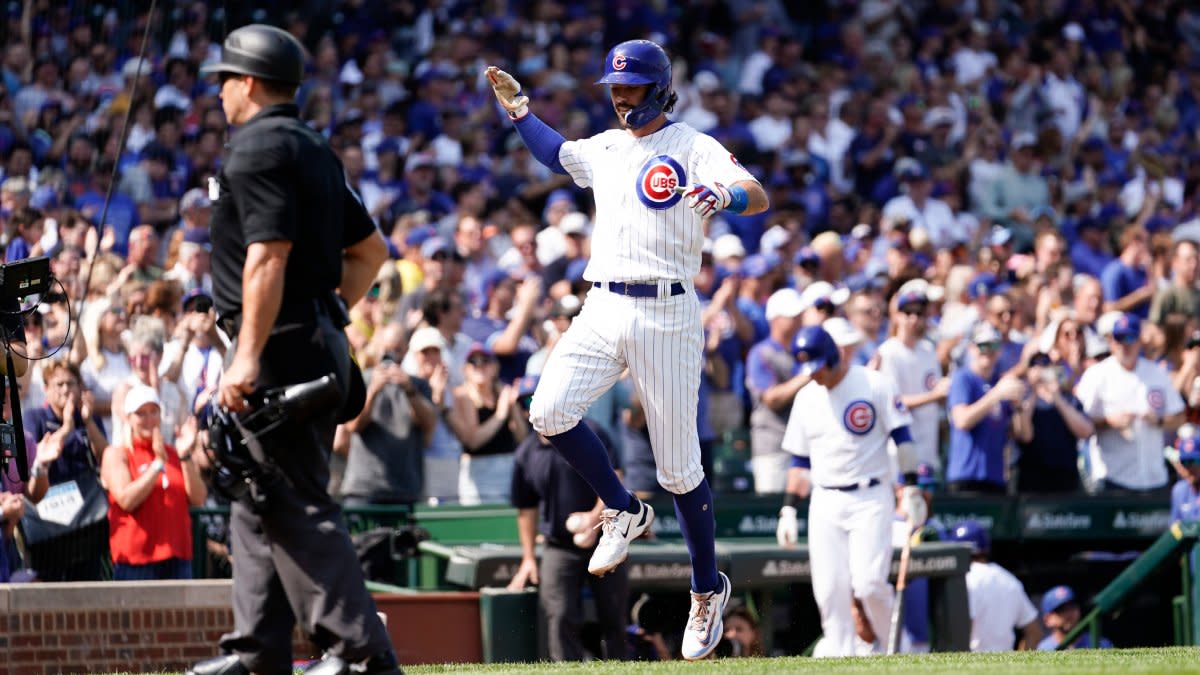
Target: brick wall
x=116, y=626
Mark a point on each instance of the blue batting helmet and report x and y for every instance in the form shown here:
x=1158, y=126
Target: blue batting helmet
x=973, y=533
x=815, y=349
x=640, y=62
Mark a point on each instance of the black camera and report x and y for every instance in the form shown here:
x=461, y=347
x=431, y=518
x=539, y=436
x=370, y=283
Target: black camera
x=1193, y=341
x=241, y=470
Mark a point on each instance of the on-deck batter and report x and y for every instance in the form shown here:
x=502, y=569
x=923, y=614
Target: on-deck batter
x=839, y=430
x=654, y=181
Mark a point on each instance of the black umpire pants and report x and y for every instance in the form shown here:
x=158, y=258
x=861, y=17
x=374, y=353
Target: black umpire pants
x=294, y=560
x=563, y=572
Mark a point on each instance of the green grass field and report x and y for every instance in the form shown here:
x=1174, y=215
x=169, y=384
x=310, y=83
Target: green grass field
x=1167, y=660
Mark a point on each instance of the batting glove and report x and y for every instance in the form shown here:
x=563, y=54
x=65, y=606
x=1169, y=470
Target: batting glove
x=787, y=532
x=508, y=93
x=705, y=200
x=913, y=505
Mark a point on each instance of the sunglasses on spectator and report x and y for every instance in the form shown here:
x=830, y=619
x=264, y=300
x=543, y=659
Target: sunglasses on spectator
x=1003, y=314
x=913, y=310
x=200, y=305
x=480, y=361
x=988, y=347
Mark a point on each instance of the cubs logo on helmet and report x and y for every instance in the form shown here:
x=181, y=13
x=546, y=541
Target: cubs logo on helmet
x=657, y=181
x=1156, y=399
x=859, y=417
x=618, y=62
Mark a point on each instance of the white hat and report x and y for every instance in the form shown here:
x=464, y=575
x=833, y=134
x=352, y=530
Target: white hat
x=818, y=291
x=575, y=223
x=706, y=81
x=784, y=302
x=138, y=396
x=774, y=239
x=707, y=246
x=728, y=246
x=135, y=66
x=1074, y=32
x=843, y=332
x=1104, y=324
x=424, y=338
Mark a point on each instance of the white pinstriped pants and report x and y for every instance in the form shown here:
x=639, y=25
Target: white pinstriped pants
x=660, y=340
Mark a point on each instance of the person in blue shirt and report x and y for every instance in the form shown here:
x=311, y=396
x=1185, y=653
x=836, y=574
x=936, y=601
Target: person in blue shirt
x=1185, y=495
x=1127, y=287
x=1089, y=254
x=981, y=408
x=1060, y=613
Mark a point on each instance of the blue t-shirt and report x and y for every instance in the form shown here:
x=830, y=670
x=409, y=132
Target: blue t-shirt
x=18, y=249
x=1185, y=502
x=760, y=375
x=1049, y=644
x=75, y=458
x=977, y=453
x=1119, y=280
x=1088, y=260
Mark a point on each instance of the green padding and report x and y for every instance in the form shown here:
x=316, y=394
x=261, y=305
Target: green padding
x=509, y=621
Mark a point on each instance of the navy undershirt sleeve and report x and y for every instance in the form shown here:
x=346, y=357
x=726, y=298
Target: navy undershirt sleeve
x=542, y=141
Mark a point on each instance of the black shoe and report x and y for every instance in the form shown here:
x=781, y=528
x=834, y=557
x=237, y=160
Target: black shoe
x=229, y=664
x=381, y=664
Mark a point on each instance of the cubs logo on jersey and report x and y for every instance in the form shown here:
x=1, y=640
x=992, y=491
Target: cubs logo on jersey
x=657, y=181
x=859, y=417
x=931, y=380
x=1156, y=399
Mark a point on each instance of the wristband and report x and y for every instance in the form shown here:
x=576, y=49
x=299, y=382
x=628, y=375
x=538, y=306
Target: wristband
x=157, y=466
x=37, y=471
x=790, y=499
x=738, y=199
x=185, y=457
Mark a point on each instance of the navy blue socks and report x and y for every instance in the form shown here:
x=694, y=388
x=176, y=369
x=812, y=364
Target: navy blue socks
x=699, y=528
x=582, y=449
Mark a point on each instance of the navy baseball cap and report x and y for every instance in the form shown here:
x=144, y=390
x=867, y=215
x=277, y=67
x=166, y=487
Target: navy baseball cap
x=1127, y=329
x=1056, y=597
x=909, y=298
x=1189, y=449
x=419, y=235
x=985, y=284
x=806, y=256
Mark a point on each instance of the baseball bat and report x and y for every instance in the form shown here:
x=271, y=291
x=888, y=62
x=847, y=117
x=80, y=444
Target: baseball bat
x=893, y=644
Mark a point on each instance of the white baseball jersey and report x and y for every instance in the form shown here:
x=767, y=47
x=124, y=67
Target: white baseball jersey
x=644, y=230
x=998, y=606
x=1131, y=457
x=845, y=430
x=915, y=371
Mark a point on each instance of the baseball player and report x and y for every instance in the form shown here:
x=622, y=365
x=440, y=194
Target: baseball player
x=654, y=182
x=839, y=429
x=996, y=599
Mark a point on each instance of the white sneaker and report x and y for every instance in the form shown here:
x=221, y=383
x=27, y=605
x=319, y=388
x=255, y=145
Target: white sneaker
x=618, y=528
x=705, y=624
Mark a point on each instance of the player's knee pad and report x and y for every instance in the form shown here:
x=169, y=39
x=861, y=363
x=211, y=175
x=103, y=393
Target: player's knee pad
x=548, y=421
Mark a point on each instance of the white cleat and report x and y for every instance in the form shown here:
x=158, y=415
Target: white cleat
x=705, y=624
x=618, y=528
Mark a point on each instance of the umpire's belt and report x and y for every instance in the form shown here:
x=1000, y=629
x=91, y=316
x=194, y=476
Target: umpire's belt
x=304, y=312
x=853, y=486
x=637, y=290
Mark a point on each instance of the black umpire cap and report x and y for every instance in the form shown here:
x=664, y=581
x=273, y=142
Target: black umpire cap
x=261, y=51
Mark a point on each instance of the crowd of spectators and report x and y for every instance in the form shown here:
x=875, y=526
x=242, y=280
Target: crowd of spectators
x=998, y=199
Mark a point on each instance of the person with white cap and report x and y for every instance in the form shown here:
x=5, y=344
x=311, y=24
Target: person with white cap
x=910, y=360
x=820, y=300
x=773, y=380
x=151, y=486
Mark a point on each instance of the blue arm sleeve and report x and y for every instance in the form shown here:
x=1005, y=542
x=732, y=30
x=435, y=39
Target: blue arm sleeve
x=901, y=435
x=799, y=462
x=542, y=141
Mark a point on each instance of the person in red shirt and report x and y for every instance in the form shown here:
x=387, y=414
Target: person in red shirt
x=151, y=486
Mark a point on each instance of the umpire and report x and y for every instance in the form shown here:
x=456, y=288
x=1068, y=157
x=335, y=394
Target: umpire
x=289, y=237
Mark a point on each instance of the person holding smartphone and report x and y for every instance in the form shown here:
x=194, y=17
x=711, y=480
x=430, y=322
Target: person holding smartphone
x=1047, y=426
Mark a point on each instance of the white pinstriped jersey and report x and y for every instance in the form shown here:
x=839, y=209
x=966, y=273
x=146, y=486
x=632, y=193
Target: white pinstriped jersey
x=845, y=430
x=644, y=230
